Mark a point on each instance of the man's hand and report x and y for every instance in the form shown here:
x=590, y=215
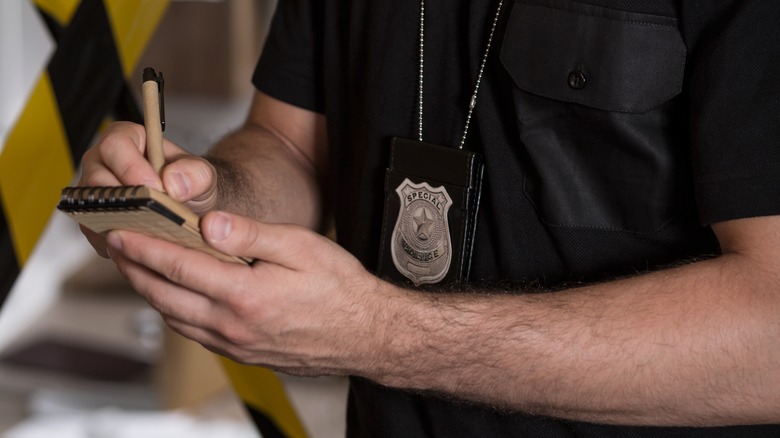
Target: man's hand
x=697, y=342
x=118, y=159
x=304, y=307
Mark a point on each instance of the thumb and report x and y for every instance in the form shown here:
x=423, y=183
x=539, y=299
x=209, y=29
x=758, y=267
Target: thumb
x=235, y=235
x=192, y=180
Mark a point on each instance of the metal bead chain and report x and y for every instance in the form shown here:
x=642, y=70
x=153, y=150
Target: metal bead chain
x=420, y=73
x=473, y=100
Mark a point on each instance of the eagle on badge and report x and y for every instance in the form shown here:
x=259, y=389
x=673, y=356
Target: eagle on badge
x=421, y=243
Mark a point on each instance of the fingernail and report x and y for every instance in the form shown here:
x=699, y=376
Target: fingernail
x=153, y=183
x=114, y=241
x=220, y=227
x=178, y=185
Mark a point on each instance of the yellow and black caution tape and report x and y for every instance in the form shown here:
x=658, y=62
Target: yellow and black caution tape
x=98, y=43
x=266, y=401
x=97, y=46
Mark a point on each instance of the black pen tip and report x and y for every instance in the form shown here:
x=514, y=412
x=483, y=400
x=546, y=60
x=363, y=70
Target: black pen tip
x=149, y=74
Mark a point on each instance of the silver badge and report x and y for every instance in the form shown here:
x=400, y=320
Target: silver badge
x=421, y=244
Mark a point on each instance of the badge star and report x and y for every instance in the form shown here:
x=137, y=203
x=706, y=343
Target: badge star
x=423, y=223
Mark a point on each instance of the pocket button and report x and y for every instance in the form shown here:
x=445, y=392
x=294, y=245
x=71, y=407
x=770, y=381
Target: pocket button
x=577, y=80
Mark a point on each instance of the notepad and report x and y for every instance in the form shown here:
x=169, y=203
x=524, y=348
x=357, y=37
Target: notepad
x=140, y=209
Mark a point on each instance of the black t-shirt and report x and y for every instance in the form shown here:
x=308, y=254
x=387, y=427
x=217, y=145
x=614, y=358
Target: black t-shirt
x=613, y=132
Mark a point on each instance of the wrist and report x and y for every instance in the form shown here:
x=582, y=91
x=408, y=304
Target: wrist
x=387, y=304
x=395, y=354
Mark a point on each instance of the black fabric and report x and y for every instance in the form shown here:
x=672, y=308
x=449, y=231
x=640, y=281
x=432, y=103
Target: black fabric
x=407, y=415
x=612, y=80
x=579, y=186
x=126, y=107
x=612, y=155
x=431, y=204
x=266, y=426
x=85, y=98
x=9, y=264
x=736, y=108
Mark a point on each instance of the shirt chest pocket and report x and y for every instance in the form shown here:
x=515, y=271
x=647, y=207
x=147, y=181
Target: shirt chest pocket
x=594, y=98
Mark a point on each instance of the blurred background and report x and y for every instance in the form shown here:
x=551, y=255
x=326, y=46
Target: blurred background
x=80, y=354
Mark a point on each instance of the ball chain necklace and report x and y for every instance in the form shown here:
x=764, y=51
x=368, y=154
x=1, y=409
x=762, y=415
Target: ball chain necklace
x=421, y=70
x=432, y=193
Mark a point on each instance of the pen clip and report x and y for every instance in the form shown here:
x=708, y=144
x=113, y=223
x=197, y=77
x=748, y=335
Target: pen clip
x=150, y=75
x=161, y=91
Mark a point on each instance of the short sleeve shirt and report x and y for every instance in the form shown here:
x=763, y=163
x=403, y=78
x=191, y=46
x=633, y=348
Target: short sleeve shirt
x=613, y=133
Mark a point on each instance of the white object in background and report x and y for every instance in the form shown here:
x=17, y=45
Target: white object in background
x=60, y=250
x=64, y=414
x=25, y=48
x=114, y=423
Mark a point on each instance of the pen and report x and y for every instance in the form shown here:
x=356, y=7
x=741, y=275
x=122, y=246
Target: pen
x=154, y=117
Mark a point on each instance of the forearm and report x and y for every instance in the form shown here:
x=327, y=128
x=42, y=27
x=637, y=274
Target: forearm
x=690, y=346
x=260, y=176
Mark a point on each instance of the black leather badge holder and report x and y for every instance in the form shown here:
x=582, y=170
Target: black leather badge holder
x=431, y=202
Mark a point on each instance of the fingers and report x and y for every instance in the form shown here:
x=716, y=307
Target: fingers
x=178, y=282
x=286, y=245
x=207, y=338
x=192, y=180
x=198, y=296
x=189, y=268
x=160, y=282
x=277, y=312
x=118, y=159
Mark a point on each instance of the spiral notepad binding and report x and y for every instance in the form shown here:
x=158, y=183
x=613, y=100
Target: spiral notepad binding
x=140, y=209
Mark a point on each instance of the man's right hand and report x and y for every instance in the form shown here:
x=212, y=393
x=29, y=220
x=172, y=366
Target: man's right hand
x=118, y=159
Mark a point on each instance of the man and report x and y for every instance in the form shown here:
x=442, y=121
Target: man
x=631, y=163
